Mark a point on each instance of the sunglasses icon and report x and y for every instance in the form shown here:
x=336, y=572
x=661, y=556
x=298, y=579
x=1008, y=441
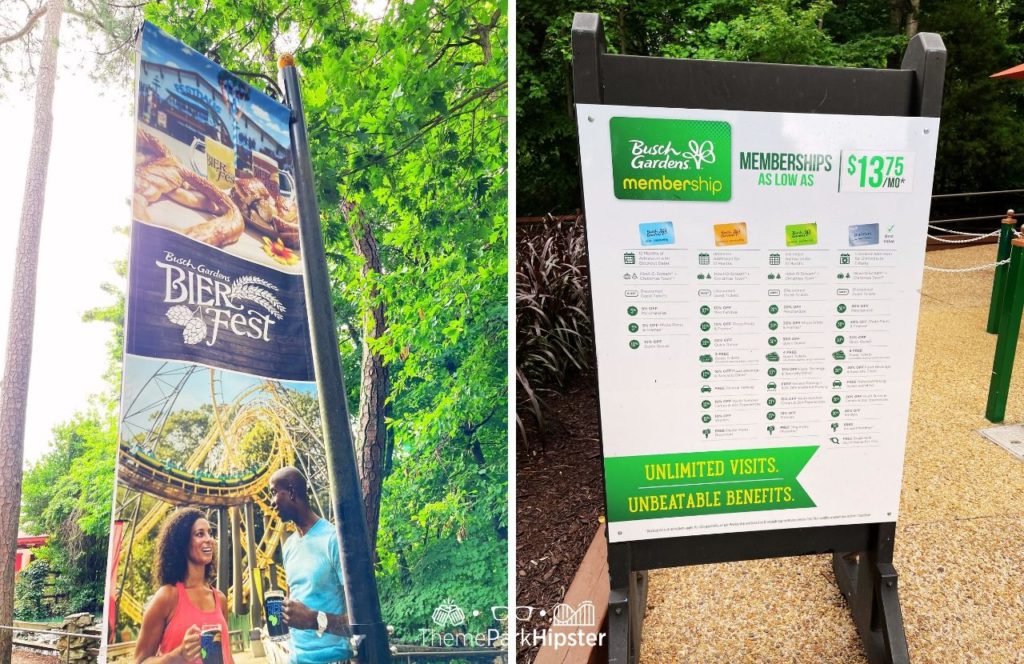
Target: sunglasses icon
x=501, y=613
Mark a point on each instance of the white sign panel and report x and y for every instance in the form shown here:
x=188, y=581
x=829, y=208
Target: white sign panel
x=756, y=282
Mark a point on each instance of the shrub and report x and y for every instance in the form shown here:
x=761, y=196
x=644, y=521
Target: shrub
x=554, y=334
x=30, y=591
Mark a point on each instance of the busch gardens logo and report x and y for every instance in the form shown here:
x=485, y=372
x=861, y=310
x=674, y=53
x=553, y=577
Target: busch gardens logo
x=676, y=160
x=206, y=302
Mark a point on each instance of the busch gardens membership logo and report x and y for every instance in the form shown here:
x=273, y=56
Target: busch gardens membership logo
x=676, y=160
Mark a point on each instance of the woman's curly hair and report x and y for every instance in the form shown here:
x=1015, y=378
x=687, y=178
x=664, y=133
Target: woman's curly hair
x=171, y=563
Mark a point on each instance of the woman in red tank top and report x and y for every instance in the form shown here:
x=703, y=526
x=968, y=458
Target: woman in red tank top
x=186, y=604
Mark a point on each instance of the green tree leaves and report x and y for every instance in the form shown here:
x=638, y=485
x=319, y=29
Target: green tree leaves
x=407, y=122
x=981, y=120
x=67, y=495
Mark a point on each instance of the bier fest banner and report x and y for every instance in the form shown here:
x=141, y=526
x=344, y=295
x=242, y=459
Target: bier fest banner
x=219, y=388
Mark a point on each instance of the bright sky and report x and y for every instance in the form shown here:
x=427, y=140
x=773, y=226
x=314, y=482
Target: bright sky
x=88, y=185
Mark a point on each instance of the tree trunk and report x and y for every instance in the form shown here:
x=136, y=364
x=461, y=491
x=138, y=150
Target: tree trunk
x=915, y=9
x=18, y=360
x=897, y=14
x=481, y=461
x=371, y=432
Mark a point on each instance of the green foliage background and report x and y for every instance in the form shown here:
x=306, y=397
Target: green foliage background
x=982, y=119
x=407, y=118
x=67, y=494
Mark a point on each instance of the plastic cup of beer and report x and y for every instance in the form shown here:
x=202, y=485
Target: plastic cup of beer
x=273, y=606
x=210, y=644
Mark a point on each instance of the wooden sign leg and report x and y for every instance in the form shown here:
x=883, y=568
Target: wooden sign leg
x=637, y=612
x=868, y=580
x=627, y=604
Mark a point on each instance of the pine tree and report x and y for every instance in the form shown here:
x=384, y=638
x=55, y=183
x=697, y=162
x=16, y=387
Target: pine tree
x=18, y=360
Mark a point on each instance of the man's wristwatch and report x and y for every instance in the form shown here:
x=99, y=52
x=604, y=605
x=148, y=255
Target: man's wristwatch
x=321, y=623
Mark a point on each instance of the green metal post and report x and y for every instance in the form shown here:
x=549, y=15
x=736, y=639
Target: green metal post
x=1009, y=330
x=995, y=308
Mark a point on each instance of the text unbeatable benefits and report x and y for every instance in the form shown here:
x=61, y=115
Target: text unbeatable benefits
x=697, y=500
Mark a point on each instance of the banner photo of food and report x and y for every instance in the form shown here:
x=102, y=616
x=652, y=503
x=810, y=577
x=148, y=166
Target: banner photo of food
x=219, y=399
x=213, y=156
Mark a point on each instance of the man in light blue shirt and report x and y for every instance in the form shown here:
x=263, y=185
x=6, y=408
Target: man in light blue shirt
x=315, y=608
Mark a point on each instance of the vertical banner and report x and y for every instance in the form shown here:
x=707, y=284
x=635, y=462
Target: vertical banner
x=219, y=390
x=756, y=286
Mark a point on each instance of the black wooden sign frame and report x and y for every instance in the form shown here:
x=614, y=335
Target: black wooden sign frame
x=862, y=553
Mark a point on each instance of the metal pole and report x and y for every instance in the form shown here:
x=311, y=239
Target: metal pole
x=223, y=551
x=236, y=562
x=1009, y=329
x=255, y=587
x=346, y=496
x=995, y=307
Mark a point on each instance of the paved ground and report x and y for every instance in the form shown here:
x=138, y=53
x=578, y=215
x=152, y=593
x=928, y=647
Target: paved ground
x=960, y=541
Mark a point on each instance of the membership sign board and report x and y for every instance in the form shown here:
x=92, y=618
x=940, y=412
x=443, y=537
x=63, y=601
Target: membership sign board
x=755, y=283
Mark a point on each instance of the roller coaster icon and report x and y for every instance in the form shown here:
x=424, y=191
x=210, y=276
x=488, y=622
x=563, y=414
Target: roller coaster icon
x=564, y=615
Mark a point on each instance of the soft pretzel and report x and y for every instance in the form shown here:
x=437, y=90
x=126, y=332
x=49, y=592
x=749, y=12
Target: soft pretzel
x=267, y=213
x=158, y=174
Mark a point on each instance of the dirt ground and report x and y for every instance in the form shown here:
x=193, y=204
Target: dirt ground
x=559, y=501
x=22, y=656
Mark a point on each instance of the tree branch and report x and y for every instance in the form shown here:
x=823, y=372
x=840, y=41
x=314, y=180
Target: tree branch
x=255, y=74
x=430, y=124
x=33, y=17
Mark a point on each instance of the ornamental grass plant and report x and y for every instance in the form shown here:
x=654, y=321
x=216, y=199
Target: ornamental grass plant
x=554, y=334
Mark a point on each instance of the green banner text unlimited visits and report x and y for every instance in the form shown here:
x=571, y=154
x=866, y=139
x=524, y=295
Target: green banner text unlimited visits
x=667, y=485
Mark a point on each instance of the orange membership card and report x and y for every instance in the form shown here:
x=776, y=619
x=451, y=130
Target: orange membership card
x=727, y=235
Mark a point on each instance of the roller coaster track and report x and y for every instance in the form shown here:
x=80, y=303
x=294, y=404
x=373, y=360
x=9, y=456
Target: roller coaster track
x=131, y=608
x=204, y=479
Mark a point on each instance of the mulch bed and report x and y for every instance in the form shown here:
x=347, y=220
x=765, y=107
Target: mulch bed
x=559, y=501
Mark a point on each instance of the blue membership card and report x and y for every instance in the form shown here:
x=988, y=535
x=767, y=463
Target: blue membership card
x=657, y=233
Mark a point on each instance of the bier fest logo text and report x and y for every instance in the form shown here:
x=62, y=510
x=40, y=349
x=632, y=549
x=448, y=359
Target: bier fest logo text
x=207, y=303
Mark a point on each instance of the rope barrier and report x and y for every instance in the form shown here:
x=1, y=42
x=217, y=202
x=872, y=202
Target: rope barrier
x=975, y=268
x=952, y=232
x=967, y=241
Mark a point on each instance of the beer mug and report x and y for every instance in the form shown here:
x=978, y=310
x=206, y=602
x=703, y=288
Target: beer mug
x=211, y=651
x=218, y=163
x=266, y=169
x=273, y=608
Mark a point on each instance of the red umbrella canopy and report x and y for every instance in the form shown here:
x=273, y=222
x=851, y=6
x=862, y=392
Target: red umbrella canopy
x=1012, y=72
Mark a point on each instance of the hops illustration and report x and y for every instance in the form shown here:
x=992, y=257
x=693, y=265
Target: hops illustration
x=258, y=290
x=179, y=315
x=194, y=332
x=195, y=326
